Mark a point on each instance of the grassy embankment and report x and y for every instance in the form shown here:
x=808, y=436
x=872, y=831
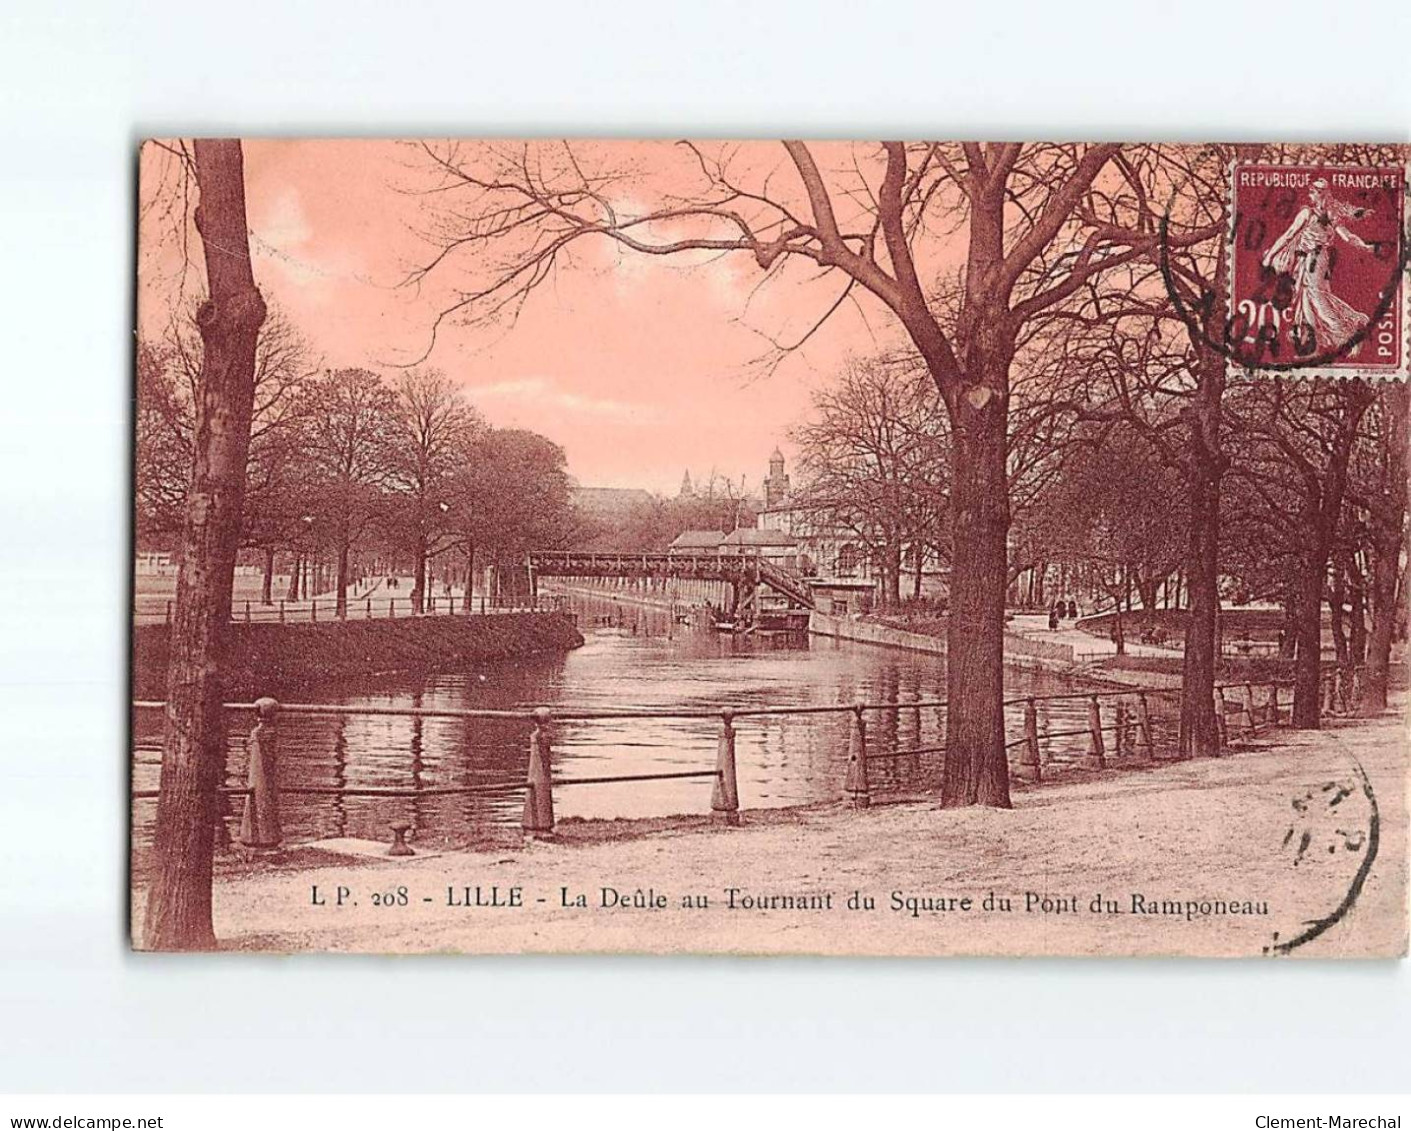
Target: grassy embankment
x=268, y=656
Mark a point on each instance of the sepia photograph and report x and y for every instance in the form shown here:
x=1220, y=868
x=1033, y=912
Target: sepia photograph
x=857, y=548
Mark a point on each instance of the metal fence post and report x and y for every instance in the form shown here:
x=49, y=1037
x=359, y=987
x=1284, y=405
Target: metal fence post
x=725, y=796
x=1029, y=768
x=855, y=781
x=1095, y=758
x=1121, y=739
x=1273, y=704
x=259, y=826
x=1144, y=741
x=1250, y=718
x=247, y=612
x=281, y=610
x=313, y=612
x=538, y=817
x=369, y=608
x=1222, y=723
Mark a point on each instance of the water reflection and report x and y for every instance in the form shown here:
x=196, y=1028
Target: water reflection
x=633, y=658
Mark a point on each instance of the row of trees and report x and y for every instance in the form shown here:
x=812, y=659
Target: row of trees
x=345, y=465
x=1313, y=493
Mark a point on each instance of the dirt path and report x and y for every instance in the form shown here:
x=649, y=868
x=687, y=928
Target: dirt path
x=1278, y=831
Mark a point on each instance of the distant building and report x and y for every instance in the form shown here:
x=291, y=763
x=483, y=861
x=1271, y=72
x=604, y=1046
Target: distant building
x=825, y=550
x=688, y=490
x=773, y=546
x=829, y=552
x=609, y=502
x=690, y=542
x=776, y=484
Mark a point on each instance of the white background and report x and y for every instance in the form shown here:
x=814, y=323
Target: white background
x=81, y=82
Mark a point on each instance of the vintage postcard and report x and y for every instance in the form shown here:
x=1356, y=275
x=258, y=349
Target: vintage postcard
x=770, y=547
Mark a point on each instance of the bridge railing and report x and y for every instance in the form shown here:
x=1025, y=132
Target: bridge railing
x=1116, y=729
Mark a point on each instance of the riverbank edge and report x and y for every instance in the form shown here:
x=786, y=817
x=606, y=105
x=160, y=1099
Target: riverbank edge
x=264, y=656
x=1020, y=652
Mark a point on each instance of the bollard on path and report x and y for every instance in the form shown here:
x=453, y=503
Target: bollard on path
x=281, y=610
x=855, y=782
x=1029, y=767
x=259, y=826
x=538, y=820
x=247, y=612
x=391, y=606
x=1095, y=758
x=400, y=847
x=369, y=609
x=725, y=796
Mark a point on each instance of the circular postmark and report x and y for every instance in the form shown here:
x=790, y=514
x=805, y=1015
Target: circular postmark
x=1317, y=825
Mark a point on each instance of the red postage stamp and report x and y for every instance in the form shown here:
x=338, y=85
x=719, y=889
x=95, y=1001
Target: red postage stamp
x=1317, y=262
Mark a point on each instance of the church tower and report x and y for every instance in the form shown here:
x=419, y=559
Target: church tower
x=688, y=491
x=776, y=486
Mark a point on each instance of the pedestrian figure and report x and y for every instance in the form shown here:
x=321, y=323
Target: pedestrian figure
x=1072, y=609
x=1053, y=619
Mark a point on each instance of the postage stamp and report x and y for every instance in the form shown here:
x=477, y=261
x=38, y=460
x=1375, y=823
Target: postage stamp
x=1317, y=263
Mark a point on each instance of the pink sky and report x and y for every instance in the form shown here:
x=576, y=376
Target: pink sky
x=638, y=366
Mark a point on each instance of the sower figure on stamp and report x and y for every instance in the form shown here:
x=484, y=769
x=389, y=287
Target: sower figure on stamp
x=1306, y=252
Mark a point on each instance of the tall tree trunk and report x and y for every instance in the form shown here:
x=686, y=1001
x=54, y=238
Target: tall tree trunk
x=1337, y=606
x=1388, y=539
x=419, y=572
x=1308, y=629
x=178, y=915
x=976, y=767
x=1357, y=613
x=470, y=578
x=267, y=582
x=1318, y=526
x=1205, y=465
x=292, y=594
x=1198, y=737
x=341, y=582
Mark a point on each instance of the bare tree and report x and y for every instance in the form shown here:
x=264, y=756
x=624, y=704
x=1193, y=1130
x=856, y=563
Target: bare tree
x=875, y=221
x=1381, y=494
x=433, y=430
x=352, y=417
x=178, y=915
x=872, y=460
x=1298, y=436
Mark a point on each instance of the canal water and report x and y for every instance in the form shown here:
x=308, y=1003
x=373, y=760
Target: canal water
x=634, y=657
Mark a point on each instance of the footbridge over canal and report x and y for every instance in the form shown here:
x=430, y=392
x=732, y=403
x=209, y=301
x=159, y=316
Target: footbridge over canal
x=745, y=574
